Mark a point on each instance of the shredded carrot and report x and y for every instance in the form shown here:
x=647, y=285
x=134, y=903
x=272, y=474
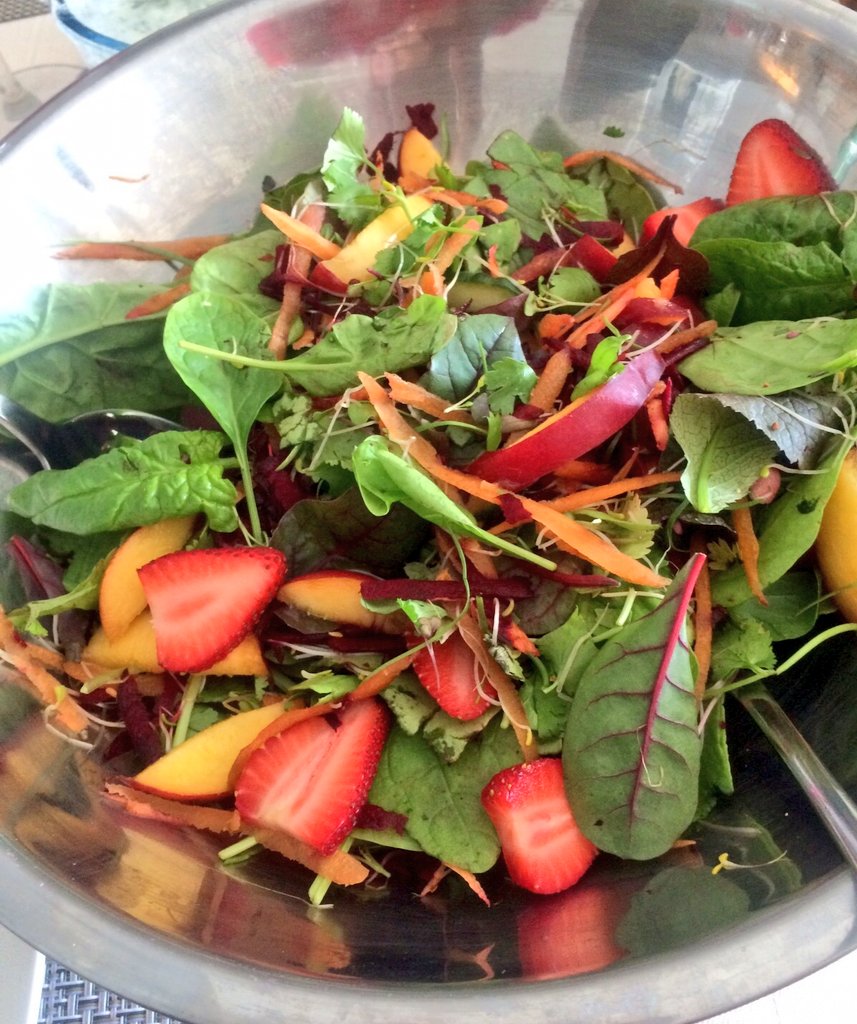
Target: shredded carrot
x=431, y=281
x=748, y=550
x=480, y=559
x=658, y=421
x=604, y=492
x=516, y=638
x=299, y=261
x=588, y=156
x=158, y=303
x=551, y=380
x=491, y=262
x=507, y=692
x=554, y=325
x=381, y=678
x=686, y=337
x=417, y=397
x=570, y=535
x=181, y=248
x=584, y=471
x=147, y=805
x=301, y=234
x=460, y=200
x=306, y=340
x=339, y=867
x=443, y=870
x=703, y=620
x=462, y=235
x=46, y=686
x=668, y=283
x=541, y=265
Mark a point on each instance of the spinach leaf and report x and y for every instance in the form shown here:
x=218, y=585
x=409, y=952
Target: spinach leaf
x=385, y=478
x=393, y=340
x=725, y=453
x=715, y=769
x=442, y=801
x=236, y=268
x=70, y=349
x=234, y=395
x=175, y=473
x=787, y=528
x=479, y=341
x=628, y=199
x=773, y=356
x=632, y=749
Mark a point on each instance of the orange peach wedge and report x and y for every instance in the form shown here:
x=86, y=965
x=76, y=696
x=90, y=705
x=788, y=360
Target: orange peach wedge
x=199, y=768
x=334, y=595
x=835, y=548
x=121, y=597
x=418, y=160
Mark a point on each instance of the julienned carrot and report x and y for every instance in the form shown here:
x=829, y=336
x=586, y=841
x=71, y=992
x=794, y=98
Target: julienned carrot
x=417, y=397
x=569, y=535
x=604, y=492
x=748, y=550
x=158, y=303
x=381, y=678
x=703, y=622
x=507, y=692
x=658, y=422
x=291, y=716
x=554, y=325
x=551, y=380
x=442, y=870
x=460, y=200
x=491, y=262
x=601, y=312
x=463, y=232
x=339, y=867
x=147, y=805
x=584, y=471
x=47, y=688
x=301, y=234
x=686, y=337
x=181, y=248
x=298, y=266
x=587, y=156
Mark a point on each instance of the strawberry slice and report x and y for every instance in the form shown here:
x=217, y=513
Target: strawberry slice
x=204, y=602
x=544, y=850
x=312, y=780
x=773, y=160
x=450, y=673
x=686, y=216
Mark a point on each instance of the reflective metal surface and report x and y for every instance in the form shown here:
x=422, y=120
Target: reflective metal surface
x=175, y=137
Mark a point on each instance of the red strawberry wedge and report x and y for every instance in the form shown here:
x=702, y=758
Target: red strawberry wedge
x=450, y=673
x=312, y=780
x=687, y=217
x=544, y=850
x=773, y=160
x=204, y=602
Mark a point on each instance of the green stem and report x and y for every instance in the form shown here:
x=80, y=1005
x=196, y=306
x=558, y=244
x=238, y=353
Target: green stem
x=238, y=848
x=191, y=691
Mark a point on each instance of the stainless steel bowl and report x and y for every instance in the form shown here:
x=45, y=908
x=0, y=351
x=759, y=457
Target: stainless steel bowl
x=174, y=137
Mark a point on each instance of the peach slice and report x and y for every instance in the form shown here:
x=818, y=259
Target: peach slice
x=121, y=597
x=418, y=160
x=355, y=260
x=135, y=650
x=199, y=768
x=334, y=594
x=834, y=546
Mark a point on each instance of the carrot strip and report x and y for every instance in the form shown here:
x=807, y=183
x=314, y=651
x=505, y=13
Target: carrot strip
x=748, y=550
x=587, y=156
x=492, y=264
x=541, y=265
x=299, y=261
x=658, y=421
x=668, y=283
x=570, y=535
x=301, y=234
x=148, y=805
x=507, y=693
x=381, y=678
x=46, y=686
x=417, y=397
x=431, y=281
x=551, y=380
x=158, y=303
x=554, y=325
x=339, y=867
x=182, y=248
x=604, y=492
x=703, y=621
x=472, y=882
x=459, y=200
x=584, y=471
x=686, y=337
x=462, y=235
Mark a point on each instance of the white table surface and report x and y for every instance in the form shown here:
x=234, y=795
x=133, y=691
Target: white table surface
x=827, y=997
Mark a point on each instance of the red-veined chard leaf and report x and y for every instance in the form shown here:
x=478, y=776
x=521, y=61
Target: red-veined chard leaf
x=632, y=748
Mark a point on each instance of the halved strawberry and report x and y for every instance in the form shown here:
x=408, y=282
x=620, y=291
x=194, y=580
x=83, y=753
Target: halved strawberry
x=204, y=602
x=773, y=160
x=451, y=674
x=686, y=216
x=544, y=850
x=312, y=780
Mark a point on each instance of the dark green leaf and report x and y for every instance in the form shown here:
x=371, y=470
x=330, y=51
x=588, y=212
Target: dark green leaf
x=237, y=267
x=508, y=381
x=479, y=341
x=715, y=770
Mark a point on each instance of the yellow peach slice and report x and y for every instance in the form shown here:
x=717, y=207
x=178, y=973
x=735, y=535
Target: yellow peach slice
x=355, y=260
x=334, y=595
x=121, y=597
x=199, y=768
x=135, y=650
x=835, y=549
x=418, y=160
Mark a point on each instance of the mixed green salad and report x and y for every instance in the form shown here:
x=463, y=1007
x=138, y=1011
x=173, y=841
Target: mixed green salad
x=490, y=485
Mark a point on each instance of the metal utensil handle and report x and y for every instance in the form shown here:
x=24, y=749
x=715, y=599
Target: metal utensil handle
x=27, y=428
x=833, y=805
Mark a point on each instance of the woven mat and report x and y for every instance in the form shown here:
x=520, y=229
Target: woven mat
x=11, y=10
x=69, y=999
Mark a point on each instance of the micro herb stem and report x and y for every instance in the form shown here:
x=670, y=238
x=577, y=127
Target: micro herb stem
x=238, y=849
x=191, y=691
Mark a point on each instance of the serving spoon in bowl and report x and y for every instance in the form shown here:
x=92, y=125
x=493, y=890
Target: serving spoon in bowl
x=66, y=443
